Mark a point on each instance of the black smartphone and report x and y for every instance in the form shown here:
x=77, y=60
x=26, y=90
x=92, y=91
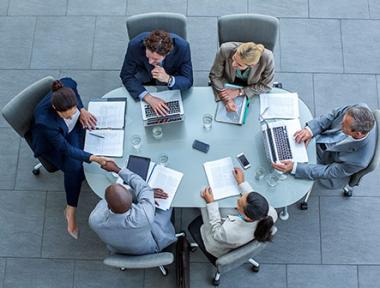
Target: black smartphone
x=243, y=161
x=201, y=146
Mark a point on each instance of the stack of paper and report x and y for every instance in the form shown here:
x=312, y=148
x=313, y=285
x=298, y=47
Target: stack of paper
x=221, y=179
x=279, y=105
x=109, y=115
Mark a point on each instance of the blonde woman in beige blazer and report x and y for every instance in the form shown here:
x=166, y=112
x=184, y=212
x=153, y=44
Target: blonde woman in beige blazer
x=249, y=65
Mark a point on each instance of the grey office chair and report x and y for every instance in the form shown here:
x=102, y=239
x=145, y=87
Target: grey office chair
x=356, y=178
x=238, y=257
x=19, y=114
x=256, y=28
x=169, y=22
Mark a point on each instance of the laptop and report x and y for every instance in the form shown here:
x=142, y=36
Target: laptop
x=279, y=142
x=174, y=101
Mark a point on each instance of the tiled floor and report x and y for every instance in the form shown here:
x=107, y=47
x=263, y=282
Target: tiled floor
x=328, y=51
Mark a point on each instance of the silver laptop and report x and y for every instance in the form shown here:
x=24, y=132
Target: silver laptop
x=174, y=101
x=279, y=142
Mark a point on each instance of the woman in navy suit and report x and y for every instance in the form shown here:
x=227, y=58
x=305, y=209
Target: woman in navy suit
x=58, y=135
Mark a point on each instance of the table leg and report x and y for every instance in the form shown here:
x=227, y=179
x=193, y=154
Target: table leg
x=284, y=215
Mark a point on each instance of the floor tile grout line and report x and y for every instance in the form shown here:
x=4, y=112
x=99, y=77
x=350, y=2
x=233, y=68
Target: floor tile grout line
x=44, y=223
x=369, y=9
x=8, y=7
x=341, y=43
x=5, y=271
x=357, y=276
x=17, y=162
x=308, y=9
x=126, y=8
x=320, y=229
x=74, y=268
x=93, y=42
x=377, y=91
x=314, y=101
x=286, y=276
x=67, y=7
x=36, y=20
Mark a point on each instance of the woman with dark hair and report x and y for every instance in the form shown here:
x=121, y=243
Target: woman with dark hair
x=254, y=219
x=58, y=136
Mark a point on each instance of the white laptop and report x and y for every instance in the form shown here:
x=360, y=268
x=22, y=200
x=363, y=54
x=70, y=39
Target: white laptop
x=279, y=141
x=174, y=101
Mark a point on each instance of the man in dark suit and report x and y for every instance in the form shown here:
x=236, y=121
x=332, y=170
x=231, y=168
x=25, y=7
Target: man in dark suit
x=156, y=58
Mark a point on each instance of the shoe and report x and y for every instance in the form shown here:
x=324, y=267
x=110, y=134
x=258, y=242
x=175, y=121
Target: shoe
x=75, y=233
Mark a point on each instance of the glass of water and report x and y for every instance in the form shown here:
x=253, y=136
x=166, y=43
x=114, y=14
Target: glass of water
x=259, y=173
x=272, y=179
x=163, y=159
x=207, y=121
x=136, y=142
x=157, y=132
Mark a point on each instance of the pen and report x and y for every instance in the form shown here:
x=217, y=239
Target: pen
x=96, y=135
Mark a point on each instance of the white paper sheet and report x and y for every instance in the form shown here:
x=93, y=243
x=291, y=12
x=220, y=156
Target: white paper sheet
x=231, y=117
x=109, y=115
x=221, y=179
x=111, y=145
x=279, y=105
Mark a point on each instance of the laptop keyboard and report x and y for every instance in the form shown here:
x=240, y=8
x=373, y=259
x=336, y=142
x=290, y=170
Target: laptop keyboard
x=174, y=108
x=282, y=143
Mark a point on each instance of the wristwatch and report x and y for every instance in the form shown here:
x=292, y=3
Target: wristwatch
x=170, y=81
x=241, y=92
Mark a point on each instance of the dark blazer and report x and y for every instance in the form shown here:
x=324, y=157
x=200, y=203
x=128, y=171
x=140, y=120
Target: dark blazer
x=49, y=131
x=177, y=63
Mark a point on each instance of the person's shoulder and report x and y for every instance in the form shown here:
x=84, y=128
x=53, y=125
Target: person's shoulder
x=267, y=55
x=138, y=39
x=179, y=42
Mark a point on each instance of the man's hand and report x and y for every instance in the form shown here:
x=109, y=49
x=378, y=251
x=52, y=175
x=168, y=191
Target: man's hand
x=303, y=135
x=160, y=74
x=231, y=106
x=228, y=94
x=101, y=160
x=207, y=195
x=285, y=166
x=87, y=119
x=158, y=105
x=159, y=194
x=111, y=166
x=239, y=175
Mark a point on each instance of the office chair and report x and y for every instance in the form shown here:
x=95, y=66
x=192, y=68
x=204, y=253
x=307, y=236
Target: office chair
x=357, y=177
x=169, y=22
x=19, y=114
x=256, y=28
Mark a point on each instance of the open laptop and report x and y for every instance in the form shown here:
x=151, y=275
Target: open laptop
x=279, y=142
x=174, y=101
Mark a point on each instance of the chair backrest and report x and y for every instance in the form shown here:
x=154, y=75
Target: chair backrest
x=355, y=178
x=261, y=29
x=169, y=22
x=19, y=111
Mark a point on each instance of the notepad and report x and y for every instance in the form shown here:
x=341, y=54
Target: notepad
x=222, y=115
x=279, y=105
x=110, y=145
x=109, y=114
x=220, y=178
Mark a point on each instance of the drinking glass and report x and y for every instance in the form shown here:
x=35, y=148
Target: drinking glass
x=136, y=142
x=207, y=121
x=272, y=179
x=163, y=159
x=157, y=132
x=259, y=173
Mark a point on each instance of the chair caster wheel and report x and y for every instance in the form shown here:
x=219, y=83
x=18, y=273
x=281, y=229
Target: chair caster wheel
x=193, y=247
x=36, y=172
x=123, y=269
x=255, y=268
x=303, y=205
x=215, y=282
x=165, y=272
x=347, y=193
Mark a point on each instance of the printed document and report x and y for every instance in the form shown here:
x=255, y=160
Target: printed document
x=220, y=178
x=109, y=114
x=110, y=143
x=279, y=105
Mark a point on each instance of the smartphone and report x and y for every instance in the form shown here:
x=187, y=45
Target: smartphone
x=243, y=161
x=201, y=146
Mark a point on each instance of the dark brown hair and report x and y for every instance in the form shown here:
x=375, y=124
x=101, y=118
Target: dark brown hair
x=63, y=98
x=159, y=41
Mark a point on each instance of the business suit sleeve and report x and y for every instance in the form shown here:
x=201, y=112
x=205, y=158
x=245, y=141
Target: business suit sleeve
x=216, y=74
x=128, y=72
x=324, y=122
x=215, y=221
x=70, y=83
x=184, y=77
x=266, y=79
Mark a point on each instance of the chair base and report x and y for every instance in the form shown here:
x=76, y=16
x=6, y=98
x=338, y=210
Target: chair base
x=303, y=205
x=36, y=169
x=216, y=280
x=347, y=191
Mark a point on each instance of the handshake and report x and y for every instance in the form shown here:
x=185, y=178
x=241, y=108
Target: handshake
x=107, y=164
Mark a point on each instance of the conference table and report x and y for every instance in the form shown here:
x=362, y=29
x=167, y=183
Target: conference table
x=224, y=139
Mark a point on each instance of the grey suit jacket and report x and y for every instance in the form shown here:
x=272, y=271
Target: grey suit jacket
x=340, y=160
x=260, y=79
x=138, y=231
x=220, y=235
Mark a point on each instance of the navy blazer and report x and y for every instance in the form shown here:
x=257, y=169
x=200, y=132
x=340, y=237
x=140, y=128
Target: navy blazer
x=49, y=131
x=177, y=63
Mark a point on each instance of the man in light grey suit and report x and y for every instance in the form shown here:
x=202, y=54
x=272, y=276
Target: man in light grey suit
x=127, y=227
x=346, y=144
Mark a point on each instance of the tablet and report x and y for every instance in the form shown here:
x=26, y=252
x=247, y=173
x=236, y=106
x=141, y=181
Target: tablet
x=139, y=165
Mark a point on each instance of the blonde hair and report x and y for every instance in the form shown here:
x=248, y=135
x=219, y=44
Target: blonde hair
x=250, y=52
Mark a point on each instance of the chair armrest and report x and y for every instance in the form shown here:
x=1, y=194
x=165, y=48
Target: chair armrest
x=139, y=262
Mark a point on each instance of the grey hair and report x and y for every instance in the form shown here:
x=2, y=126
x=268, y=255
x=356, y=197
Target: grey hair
x=362, y=119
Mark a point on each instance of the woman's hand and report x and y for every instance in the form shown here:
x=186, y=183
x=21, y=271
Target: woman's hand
x=101, y=160
x=229, y=94
x=87, y=119
x=239, y=175
x=231, y=106
x=207, y=195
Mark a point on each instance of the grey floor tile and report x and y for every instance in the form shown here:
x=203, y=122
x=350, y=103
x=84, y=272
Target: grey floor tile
x=93, y=84
x=338, y=9
x=154, y=278
x=14, y=81
x=16, y=34
x=2, y=272
x=368, y=276
x=334, y=90
x=56, y=241
x=21, y=223
x=297, y=239
x=93, y=274
x=96, y=7
x=302, y=83
x=110, y=44
x=39, y=273
x=367, y=33
x=4, y=4
x=147, y=6
x=37, y=7
x=374, y=9
x=322, y=276
x=310, y=45
x=201, y=78
x=9, y=148
x=346, y=226
x=203, y=41
x=71, y=48
x=216, y=7
x=278, y=8
x=201, y=274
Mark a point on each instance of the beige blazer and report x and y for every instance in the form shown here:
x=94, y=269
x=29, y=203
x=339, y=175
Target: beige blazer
x=220, y=235
x=260, y=80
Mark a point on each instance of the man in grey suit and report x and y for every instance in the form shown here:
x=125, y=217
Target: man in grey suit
x=346, y=144
x=132, y=227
